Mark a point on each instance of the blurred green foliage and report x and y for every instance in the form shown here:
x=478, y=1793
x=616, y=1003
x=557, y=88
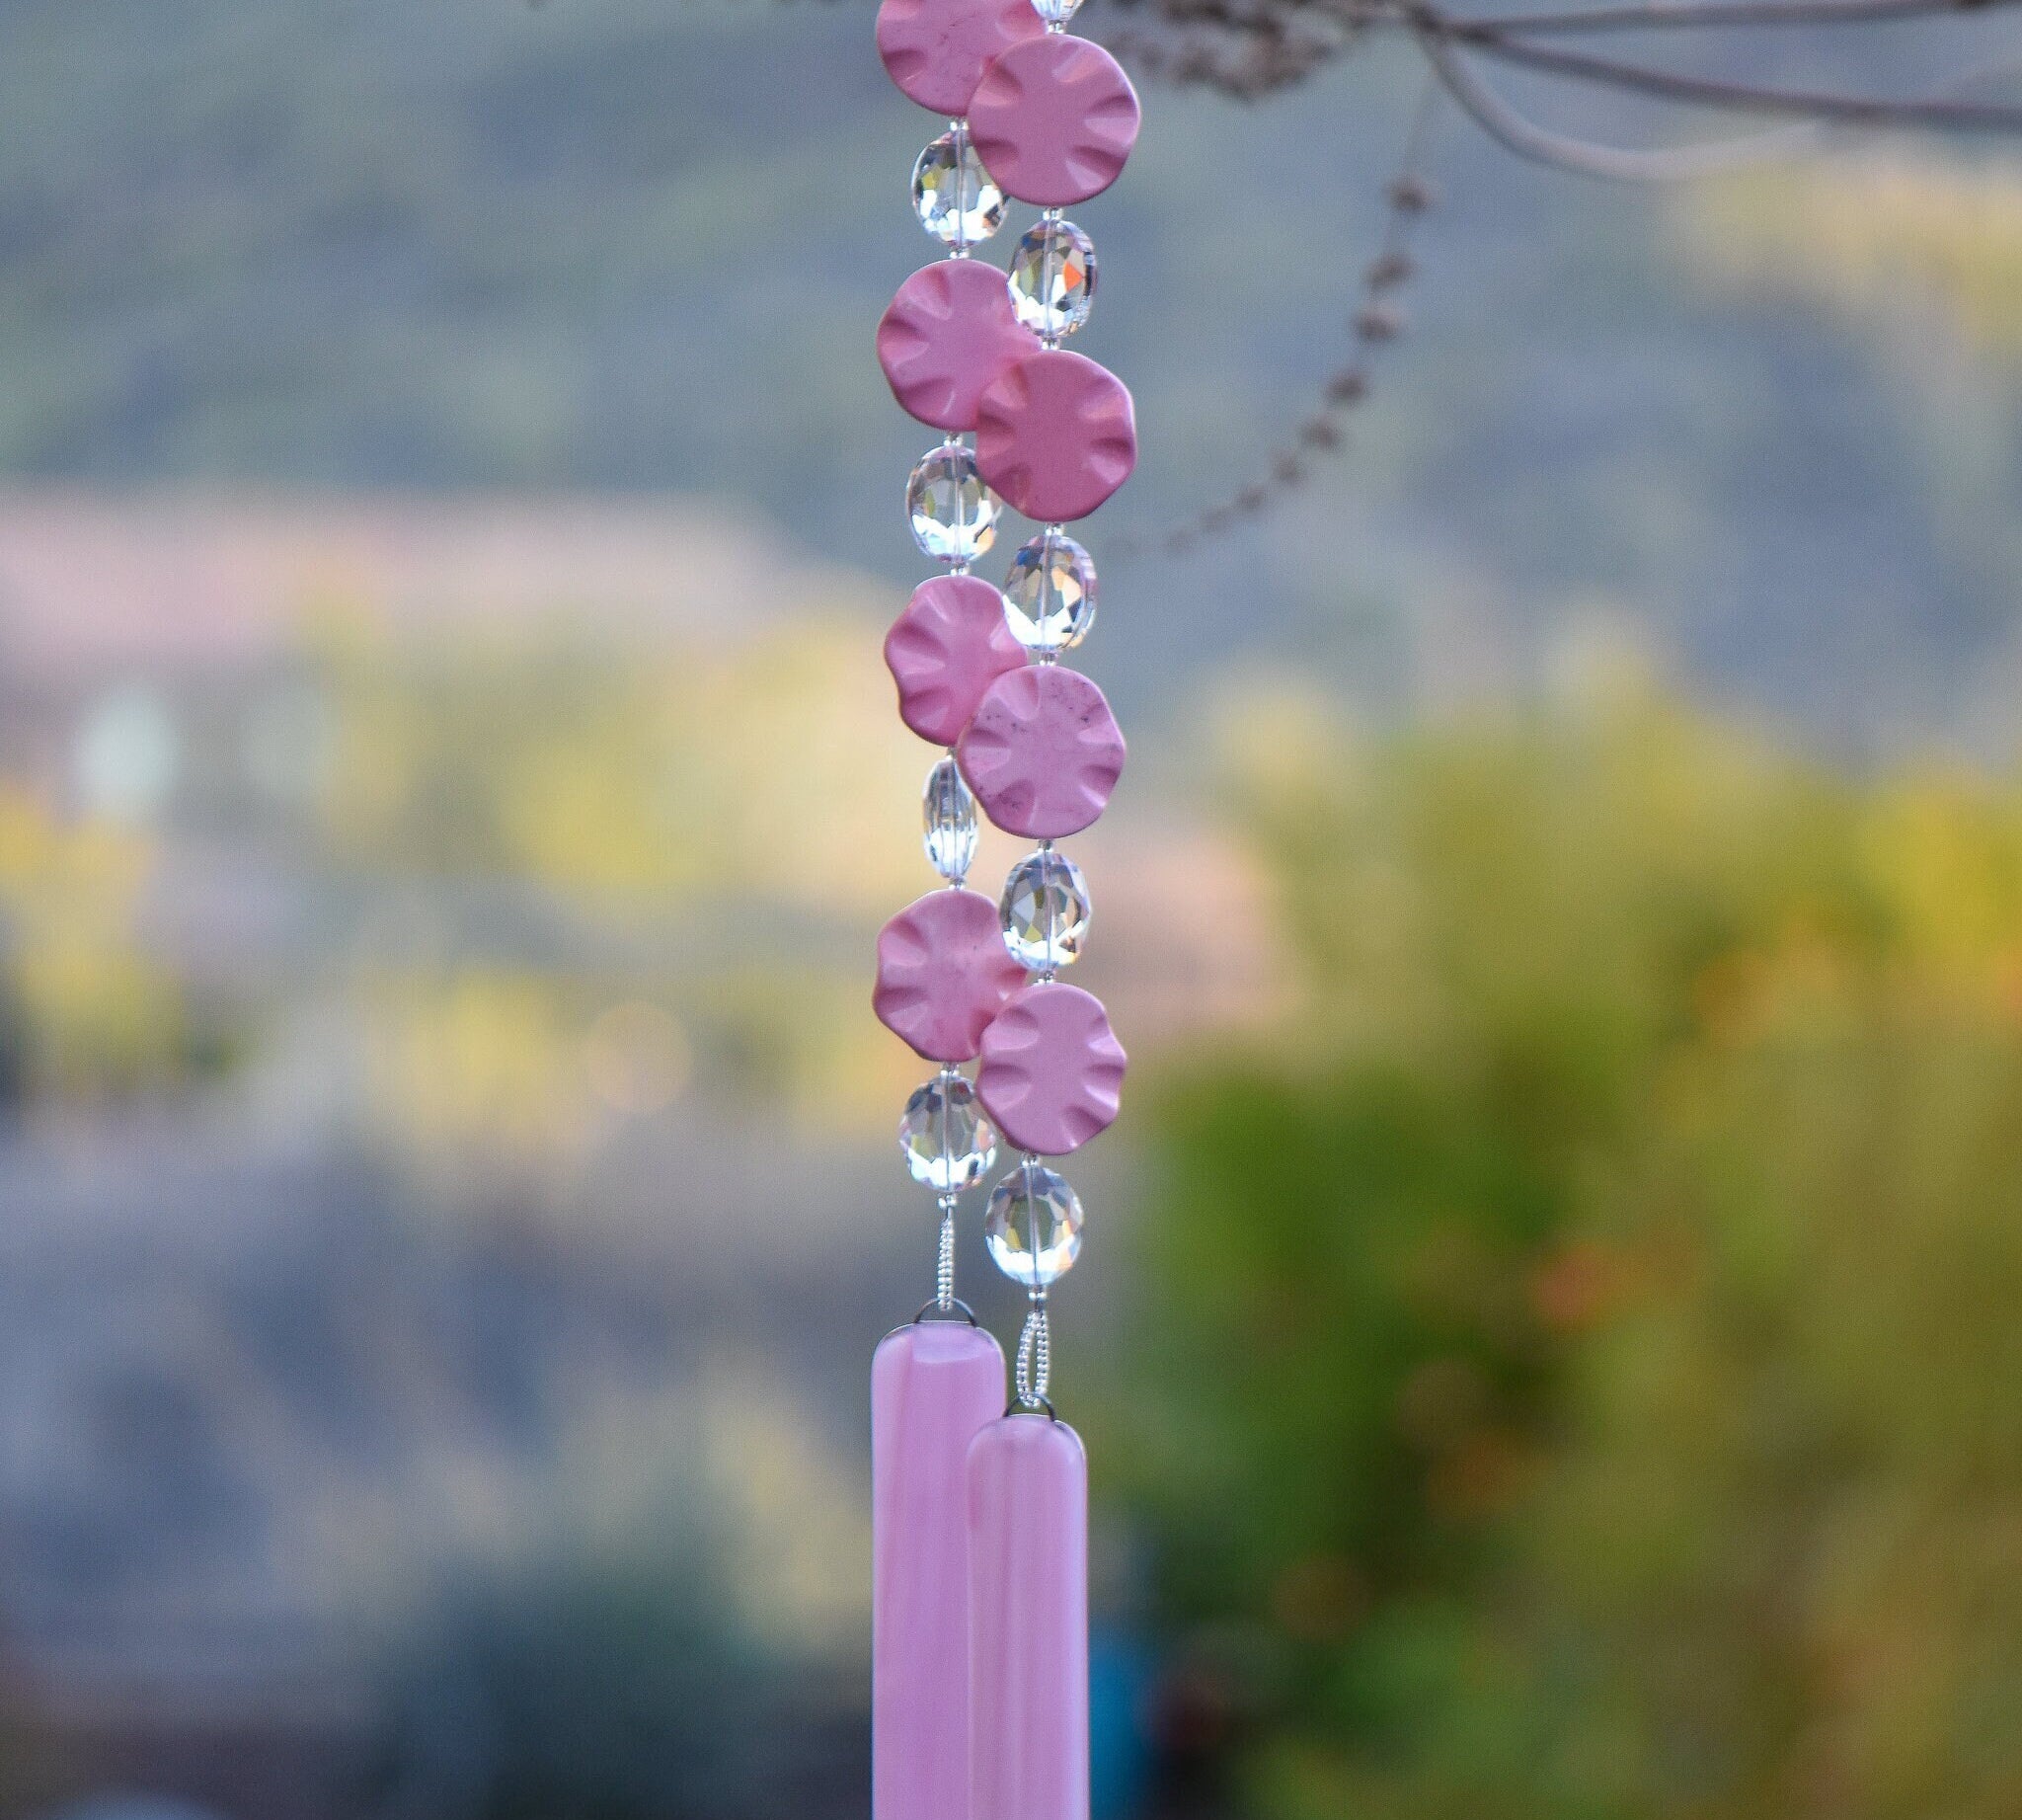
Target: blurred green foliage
x=1579, y=1356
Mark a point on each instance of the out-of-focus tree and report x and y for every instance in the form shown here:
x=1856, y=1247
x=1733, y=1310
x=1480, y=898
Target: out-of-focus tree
x=607, y=1690
x=1578, y=1354
x=622, y=778
x=1874, y=242
x=85, y=1011
x=624, y=873
x=1915, y=259
x=669, y=1630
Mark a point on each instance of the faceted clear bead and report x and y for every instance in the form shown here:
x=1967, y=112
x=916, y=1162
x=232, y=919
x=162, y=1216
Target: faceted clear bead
x=1053, y=278
x=957, y=200
x=1033, y=1225
x=1045, y=910
x=1056, y=12
x=948, y=817
x=947, y=1141
x=954, y=513
x=1050, y=593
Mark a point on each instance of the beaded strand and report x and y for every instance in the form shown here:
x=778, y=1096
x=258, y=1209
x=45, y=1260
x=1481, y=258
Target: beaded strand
x=1048, y=119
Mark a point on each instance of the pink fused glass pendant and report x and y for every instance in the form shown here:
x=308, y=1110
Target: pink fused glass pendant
x=1053, y=1071
x=949, y=334
x=936, y=50
x=1056, y=434
x=942, y=973
x=1042, y=752
x=945, y=651
x=1053, y=119
x=934, y=1387
x=1028, y=1621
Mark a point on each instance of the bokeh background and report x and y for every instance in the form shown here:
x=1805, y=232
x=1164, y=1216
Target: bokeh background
x=1548, y=1328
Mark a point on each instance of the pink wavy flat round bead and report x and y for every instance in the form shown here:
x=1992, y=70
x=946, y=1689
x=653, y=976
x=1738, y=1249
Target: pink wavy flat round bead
x=936, y=50
x=945, y=651
x=942, y=973
x=1053, y=1071
x=1055, y=436
x=1053, y=119
x=948, y=334
x=1042, y=752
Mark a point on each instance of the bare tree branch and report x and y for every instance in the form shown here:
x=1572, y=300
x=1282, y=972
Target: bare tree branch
x=1253, y=48
x=1377, y=324
x=1250, y=49
x=1664, y=15
x=1519, y=133
x=1817, y=105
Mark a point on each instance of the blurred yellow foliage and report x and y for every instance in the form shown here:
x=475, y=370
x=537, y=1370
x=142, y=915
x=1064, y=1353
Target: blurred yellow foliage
x=484, y=1055
x=632, y=780
x=94, y=1014
x=1868, y=240
x=718, y=823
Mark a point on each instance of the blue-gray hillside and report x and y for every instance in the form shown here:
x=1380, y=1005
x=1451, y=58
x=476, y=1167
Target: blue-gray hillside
x=640, y=245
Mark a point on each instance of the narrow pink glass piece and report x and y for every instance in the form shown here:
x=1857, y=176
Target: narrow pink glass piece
x=1028, y=1618
x=1053, y=119
x=1053, y=1071
x=934, y=1387
x=936, y=50
x=1056, y=434
x=946, y=650
x=947, y=335
x=1044, y=752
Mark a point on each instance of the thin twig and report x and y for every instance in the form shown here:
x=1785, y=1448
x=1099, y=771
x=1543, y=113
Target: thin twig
x=1272, y=58
x=1666, y=15
x=1376, y=324
x=1816, y=105
x=1247, y=48
x=1517, y=132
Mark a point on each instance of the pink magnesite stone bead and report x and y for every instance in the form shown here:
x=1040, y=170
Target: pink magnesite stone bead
x=1028, y=1621
x=942, y=973
x=936, y=50
x=1042, y=752
x=949, y=333
x=945, y=651
x=934, y=1387
x=1053, y=119
x=1055, y=436
x=1053, y=1071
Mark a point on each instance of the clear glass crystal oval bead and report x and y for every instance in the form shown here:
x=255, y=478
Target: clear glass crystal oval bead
x=944, y=1137
x=1053, y=278
x=957, y=200
x=1045, y=910
x=948, y=819
x=954, y=513
x=1050, y=593
x=1033, y=1225
x=1057, y=13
